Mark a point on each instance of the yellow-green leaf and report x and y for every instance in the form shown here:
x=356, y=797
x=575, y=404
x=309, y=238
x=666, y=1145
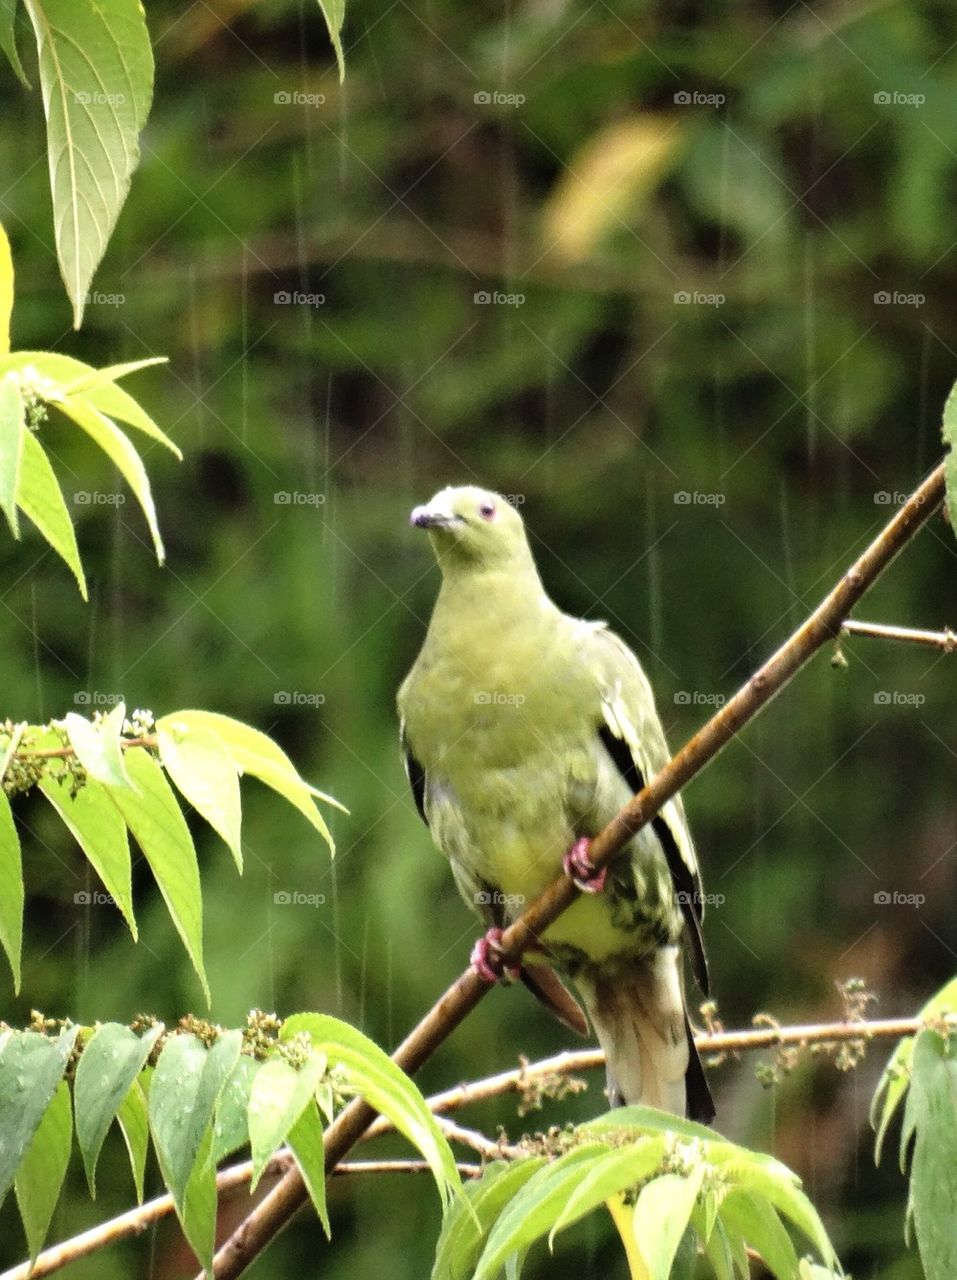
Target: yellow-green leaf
x=279, y=1095
x=204, y=772
x=334, y=11
x=97, y=745
x=12, y=431
x=40, y=499
x=8, y=40
x=43, y=1168
x=6, y=277
x=11, y=889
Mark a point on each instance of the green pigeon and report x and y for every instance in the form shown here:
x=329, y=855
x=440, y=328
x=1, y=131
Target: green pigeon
x=524, y=732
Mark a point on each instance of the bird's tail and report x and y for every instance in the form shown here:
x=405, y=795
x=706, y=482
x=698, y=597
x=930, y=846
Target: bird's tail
x=638, y=1012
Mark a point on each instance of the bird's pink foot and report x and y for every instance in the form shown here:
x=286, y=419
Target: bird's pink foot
x=487, y=958
x=580, y=869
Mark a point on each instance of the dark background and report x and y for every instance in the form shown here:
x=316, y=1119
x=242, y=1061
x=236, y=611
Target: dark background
x=811, y=174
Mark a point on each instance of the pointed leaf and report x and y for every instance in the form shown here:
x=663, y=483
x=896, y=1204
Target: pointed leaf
x=469, y=1219
x=43, y=1169
x=186, y=1085
x=40, y=498
x=133, y=1119
x=117, y=445
x=11, y=889
x=160, y=830
x=254, y=753
x=231, y=1128
x=278, y=1098
x=12, y=430
x=6, y=259
x=719, y=1253
x=204, y=772
x=661, y=1217
x=384, y=1085
x=198, y=1212
x=31, y=1067
x=98, y=828
x=753, y=1220
x=97, y=745
x=8, y=42
x=305, y=1142
x=96, y=73
x=932, y=1111
x=643, y=1120
x=108, y=1066
x=334, y=11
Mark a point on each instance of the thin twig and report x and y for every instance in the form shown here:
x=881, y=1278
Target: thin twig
x=516, y=1080
x=270, y=1216
x=946, y=639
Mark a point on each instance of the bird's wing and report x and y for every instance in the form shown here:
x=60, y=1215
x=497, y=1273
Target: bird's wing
x=632, y=734
x=539, y=978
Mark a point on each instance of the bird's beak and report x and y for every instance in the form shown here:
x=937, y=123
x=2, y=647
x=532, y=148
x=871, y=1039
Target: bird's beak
x=433, y=517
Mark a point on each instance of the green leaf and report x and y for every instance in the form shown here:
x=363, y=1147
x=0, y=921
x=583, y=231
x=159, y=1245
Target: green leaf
x=96, y=73
x=204, y=772
x=40, y=498
x=184, y=1091
x=334, y=11
x=12, y=429
x=640, y=1120
x=108, y=1066
x=621, y=1168
x=31, y=1067
x=97, y=745
x=278, y=1098
x=133, y=1119
x=198, y=1211
x=896, y=1077
x=231, y=1128
x=753, y=1220
x=469, y=1220
x=43, y=1169
x=117, y=445
x=254, y=753
x=305, y=1142
x=661, y=1217
x=719, y=1252
x=13, y=741
x=931, y=1111
x=8, y=42
x=533, y=1211
x=69, y=376
x=950, y=460
x=98, y=827
x=160, y=830
x=11, y=889
x=384, y=1085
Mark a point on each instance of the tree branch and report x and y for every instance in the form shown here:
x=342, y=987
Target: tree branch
x=946, y=639
x=517, y=1080
x=271, y=1215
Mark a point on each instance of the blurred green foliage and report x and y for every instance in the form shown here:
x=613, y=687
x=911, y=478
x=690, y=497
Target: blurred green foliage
x=806, y=174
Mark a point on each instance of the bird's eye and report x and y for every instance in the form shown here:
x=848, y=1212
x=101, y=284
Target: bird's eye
x=487, y=510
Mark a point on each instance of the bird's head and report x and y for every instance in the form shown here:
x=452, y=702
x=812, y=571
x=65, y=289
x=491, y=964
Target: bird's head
x=473, y=526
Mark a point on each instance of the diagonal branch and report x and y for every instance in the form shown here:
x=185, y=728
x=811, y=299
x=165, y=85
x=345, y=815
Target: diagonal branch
x=272, y=1214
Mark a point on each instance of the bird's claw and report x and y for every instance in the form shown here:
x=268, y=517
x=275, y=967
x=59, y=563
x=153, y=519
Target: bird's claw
x=580, y=869
x=486, y=958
